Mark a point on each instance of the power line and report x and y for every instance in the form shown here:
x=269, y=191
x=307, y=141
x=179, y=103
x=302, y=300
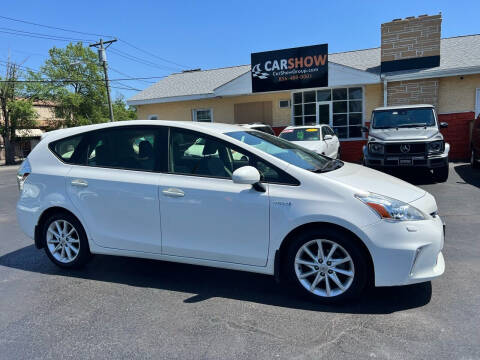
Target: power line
x=130, y=77
x=140, y=60
x=48, y=37
x=42, y=34
x=152, y=54
x=54, y=27
x=79, y=80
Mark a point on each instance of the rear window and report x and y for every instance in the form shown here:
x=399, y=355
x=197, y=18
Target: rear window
x=65, y=148
x=304, y=134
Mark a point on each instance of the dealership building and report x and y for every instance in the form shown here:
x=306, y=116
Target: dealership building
x=413, y=65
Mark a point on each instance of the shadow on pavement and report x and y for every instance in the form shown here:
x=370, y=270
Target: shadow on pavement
x=469, y=175
x=208, y=283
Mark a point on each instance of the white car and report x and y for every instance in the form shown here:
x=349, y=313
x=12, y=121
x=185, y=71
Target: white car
x=318, y=138
x=260, y=127
x=225, y=196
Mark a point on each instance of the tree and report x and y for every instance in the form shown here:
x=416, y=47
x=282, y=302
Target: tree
x=72, y=78
x=123, y=112
x=16, y=111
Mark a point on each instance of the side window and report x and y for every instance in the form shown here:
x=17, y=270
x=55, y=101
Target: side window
x=123, y=148
x=324, y=132
x=67, y=149
x=193, y=153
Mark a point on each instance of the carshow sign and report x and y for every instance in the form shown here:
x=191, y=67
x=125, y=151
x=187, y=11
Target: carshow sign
x=295, y=68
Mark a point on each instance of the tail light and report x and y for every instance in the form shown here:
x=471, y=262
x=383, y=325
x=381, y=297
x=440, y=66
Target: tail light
x=22, y=174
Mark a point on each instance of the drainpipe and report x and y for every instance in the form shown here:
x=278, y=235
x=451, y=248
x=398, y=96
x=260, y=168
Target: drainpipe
x=384, y=78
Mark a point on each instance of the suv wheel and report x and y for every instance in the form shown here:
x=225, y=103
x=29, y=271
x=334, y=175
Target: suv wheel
x=65, y=241
x=328, y=266
x=473, y=160
x=441, y=174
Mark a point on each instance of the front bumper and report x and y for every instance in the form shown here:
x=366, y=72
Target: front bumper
x=406, y=252
x=429, y=161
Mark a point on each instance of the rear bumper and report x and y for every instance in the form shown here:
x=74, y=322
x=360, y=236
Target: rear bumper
x=395, y=160
x=407, y=252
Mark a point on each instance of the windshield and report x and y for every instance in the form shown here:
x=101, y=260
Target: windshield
x=383, y=119
x=285, y=150
x=304, y=134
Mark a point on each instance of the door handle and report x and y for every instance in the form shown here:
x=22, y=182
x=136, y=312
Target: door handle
x=173, y=192
x=79, y=182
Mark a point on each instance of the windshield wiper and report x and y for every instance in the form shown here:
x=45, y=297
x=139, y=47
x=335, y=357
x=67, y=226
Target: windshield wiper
x=332, y=164
x=412, y=125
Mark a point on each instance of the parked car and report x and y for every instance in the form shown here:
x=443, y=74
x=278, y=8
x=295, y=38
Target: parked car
x=260, y=127
x=239, y=199
x=407, y=136
x=320, y=139
x=475, y=146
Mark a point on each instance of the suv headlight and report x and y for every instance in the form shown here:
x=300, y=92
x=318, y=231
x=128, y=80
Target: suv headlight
x=391, y=209
x=375, y=148
x=436, y=147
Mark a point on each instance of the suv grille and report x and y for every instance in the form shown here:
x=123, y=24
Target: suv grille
x=415, y=148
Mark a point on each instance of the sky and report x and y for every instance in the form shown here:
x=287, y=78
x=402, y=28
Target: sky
x=171, y=36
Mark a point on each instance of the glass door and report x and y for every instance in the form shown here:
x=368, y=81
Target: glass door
x=324, y=113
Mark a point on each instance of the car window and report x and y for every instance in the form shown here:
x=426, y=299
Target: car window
x=65, y=148
x=284, y=150
x=265, y=129
x=124, y=148
x=194, y=153
x=384, y=119
x=303, y=134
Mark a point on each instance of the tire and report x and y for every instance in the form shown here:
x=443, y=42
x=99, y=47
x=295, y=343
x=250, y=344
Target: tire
x=66, y=251
x=352, y=275
x=473, y=160
x=441, y=174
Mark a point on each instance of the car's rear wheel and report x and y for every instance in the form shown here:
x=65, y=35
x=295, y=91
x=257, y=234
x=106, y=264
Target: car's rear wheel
x=65, y=241
x=441, y=174
x=327, y=266
x=473, y=160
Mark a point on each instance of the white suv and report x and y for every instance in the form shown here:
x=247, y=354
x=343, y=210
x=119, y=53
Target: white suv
x=225, y=196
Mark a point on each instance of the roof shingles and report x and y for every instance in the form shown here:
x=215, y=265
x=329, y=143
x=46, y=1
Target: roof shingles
x=456, y=52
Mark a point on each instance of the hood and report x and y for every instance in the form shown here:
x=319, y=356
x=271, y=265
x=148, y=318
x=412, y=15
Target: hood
x=405, y=134
x=375, y=181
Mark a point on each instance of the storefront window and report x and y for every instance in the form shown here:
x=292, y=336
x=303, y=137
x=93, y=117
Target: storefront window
x=345, y=105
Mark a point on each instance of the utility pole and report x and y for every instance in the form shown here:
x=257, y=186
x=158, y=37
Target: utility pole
x=102, y=57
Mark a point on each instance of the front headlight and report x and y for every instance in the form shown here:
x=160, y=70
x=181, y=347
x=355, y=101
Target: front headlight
x=391, y=209
x=375, y=148
x=436, y=147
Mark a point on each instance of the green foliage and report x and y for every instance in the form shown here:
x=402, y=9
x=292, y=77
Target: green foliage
x=22, y=114
x=82, y=99
x=123, y=112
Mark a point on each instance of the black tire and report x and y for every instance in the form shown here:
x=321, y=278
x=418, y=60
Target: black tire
x=441, y=174
x=348, y=243
x=83, y=255
x=474, y=162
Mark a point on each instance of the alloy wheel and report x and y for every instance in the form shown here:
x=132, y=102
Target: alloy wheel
x=63, y=241
x=324, y=268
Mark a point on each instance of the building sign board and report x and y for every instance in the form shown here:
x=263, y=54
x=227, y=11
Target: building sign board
x=294, y=68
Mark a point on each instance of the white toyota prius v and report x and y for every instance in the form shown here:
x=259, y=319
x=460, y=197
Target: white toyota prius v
x=226, y=196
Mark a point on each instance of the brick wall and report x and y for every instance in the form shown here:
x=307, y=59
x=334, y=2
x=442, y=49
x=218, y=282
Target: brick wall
x=413, y=92
x=458, y=133
x=411, y=38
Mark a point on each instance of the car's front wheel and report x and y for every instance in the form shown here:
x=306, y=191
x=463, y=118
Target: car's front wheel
x=441, y=174
x=65, y=241
x=473, y=160
x=327, y=265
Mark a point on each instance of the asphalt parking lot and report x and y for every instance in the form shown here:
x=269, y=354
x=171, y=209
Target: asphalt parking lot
x=131, y=308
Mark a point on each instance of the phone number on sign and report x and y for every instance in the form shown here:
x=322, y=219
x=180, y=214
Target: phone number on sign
x=295, y=77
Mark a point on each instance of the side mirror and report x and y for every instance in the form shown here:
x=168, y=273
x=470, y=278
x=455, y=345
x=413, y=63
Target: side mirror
x=327, y=137
x=364, y=129
x=443, y=125
x=246, y=175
